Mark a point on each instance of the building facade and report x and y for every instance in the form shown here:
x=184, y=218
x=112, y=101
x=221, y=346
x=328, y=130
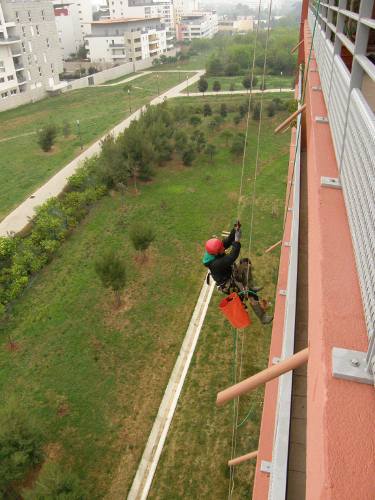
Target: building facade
x=144, y=9
x=30, y=56
x=68, y=28
x=126, y=40
x=197, y=25
x=239, y=25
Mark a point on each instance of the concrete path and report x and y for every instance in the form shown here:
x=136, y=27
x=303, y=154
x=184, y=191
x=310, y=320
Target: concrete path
x=150, y=458
x=21, y=216
x=233, y=92
x=131, y=78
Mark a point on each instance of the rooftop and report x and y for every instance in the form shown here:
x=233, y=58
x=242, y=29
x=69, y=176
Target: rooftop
x=122, y=20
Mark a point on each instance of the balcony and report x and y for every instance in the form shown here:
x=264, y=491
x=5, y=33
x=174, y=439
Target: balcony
x=117, y=45
x=21, y=80
x=10, y=40
x=19, y=67
x=118, y=56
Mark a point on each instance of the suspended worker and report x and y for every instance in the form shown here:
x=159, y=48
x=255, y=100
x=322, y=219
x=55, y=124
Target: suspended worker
x=229, y=276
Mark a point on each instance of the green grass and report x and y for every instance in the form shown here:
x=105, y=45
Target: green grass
x=194, y=62
x=108, y=368
x=121, y=78
x=24, y=166
x=272, y=81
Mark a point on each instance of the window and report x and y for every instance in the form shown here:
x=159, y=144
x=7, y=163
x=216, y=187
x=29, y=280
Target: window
x=23, y=47
x=37, y=30
x=42, y=13
x=52, y=68
x=17, y=17
x=29, y=59
x=4, y=95
x=23, y=30
x=47, y=43
x=2, y=67
x=40, y=70
x=10, y=78
x=29, y=15
x=2, y=80
x=13, y=92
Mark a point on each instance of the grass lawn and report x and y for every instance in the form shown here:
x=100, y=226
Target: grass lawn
x=93, y=377
x=120, y=78
x=194, y=62
x=24, y=166
x=272, y=81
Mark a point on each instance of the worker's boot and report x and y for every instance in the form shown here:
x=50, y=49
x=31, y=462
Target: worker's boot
x=260, y=312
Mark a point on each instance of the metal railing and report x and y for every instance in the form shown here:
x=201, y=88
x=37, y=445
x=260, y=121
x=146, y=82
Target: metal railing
x=352, y=124
x=279, y=471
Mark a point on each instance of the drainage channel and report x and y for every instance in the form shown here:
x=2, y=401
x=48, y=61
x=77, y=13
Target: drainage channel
x=150, y=458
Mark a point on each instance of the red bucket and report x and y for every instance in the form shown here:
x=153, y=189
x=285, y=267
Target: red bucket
x=234, y=310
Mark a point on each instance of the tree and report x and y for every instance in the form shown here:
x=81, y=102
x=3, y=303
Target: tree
x=112, y=273
x=92, y=70
x=188, y=156
x=246, y=82
x=82, y=52
x=202, y=84
x=142, y=235
x=214, y=66
x=54, y=482
x=210, y=151
x=46, y=137
x=180, y=139
x=271, y=109
x=66, y=129
x=226, y=135
x=223, y=110
x=20, y=450
x=195, y=120
x=238, y=145
x=263, y=85
x=216, y=86
x=207, y=111
x=242, y=110
x=112, y=165
x=256, y=111
x=232, y=69
x=199, y=139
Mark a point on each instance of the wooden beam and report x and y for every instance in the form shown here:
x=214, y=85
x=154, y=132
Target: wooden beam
x=270, y=373
x=296, y=47
x=272, y=247
x=289, y=119
x=243, y=458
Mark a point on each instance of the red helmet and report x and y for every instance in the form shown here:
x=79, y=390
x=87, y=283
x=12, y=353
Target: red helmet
x=214, y=246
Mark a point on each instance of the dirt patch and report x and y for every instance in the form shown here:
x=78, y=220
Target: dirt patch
x=63, y=409
x=53, y=451
x=12, y=346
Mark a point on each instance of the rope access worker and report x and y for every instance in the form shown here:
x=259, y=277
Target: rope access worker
x=232, y=277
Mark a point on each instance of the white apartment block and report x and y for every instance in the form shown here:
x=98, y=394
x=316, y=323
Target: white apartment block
x=197, y=25
x=184, y=7
x=239, y=25
x=143, y=9
x=30, y=57
x=126, y=40
x=69, y=28
x=85, y=14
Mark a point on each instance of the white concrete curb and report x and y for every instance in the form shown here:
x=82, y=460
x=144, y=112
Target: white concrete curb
x=150, y=458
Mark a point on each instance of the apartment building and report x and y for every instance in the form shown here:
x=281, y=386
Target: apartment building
x=184, y=7
x=69, y=28
x=126, y=40
x=197, y=25
x=85, y=14
x=239, y=25
x=30, y=57
x=144, y=9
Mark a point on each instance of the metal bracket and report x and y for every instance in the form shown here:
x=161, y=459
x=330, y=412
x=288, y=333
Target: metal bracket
x=282, y=292
x=316, y=88
x=314, y=70
x=332, y=182
x=290, y=209
x=287, y=244
x=321, y=119
x=276, y=360
x=350, y=365
x=266, y=466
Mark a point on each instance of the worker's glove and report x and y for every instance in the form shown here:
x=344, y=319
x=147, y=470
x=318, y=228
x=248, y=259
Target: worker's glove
x=237, y=225
x=237, y=235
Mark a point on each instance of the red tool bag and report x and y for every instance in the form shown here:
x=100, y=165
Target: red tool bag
x=234, y=310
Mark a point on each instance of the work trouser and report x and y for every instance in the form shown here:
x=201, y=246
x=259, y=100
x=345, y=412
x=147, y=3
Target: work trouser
x=240, y=280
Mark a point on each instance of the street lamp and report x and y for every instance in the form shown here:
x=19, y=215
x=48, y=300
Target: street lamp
x=79, y=134
x=281, y=76
x=187, y=85
x=130, y=101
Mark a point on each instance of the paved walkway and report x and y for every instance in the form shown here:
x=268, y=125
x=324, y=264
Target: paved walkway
x=232, y=92
x=129, y=79
x=21, y=216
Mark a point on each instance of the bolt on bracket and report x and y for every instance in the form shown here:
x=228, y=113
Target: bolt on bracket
x=351, y=365
x=332, y=182
x=266, y=466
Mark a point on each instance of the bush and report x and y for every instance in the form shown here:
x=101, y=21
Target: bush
x=256, y=111
x=226, y=135
x=216, y=86
x=207, y=111
x=232, y=69
x=195, y=120
x=202, y=84
x=199, y=140
x=248, y=84
x=238, y=145
x=46, y=137
x=57, y=484
x=210, y=151
x=242, y=110
x=223, y=110
x=216, y=121
x=92, y=70
x=188, y=156
x=142, y=235
x=20, y=450
x=112, y=273
x=271, y=109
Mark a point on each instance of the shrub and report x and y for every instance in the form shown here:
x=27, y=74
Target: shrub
x=202, y=84
x=195, y=120
x=92, y=70
x=142, y=235
x=180, y=139
x=55, y=483
x=223, y=110
x=199, y=140
x=216, y=86
x=216, y=121
x=242, y=110
x=112, y=273
x=256, y=111
x=46, y=137
x=226, y=135
x=232, y=69
x=237, y=119
x=248, y=84
x=188, y=156
x=207, y=111
x=238, y=145
x=271, y=109
x=210, y=151
x=20, y=450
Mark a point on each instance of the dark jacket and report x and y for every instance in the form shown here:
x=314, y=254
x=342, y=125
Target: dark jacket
x=221, y=266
